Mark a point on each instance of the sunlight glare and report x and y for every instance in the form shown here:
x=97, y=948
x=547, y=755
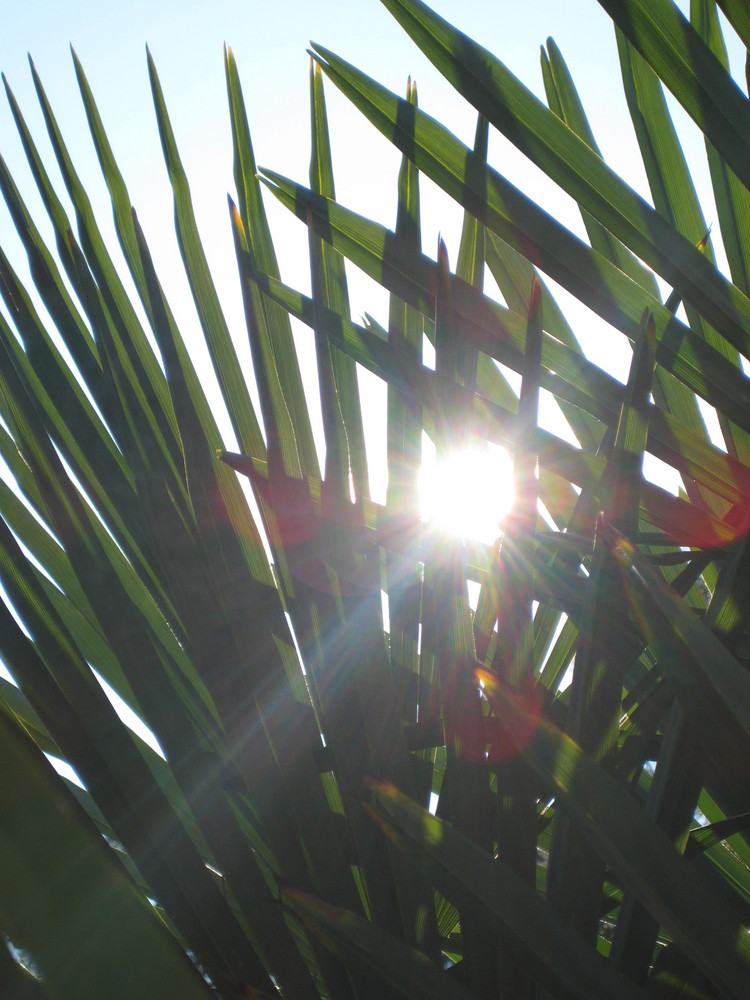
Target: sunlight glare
x=469, y=492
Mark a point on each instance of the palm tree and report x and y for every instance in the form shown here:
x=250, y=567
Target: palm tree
x=580, y=731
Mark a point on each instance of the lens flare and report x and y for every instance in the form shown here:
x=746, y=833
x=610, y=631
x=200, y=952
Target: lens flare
x=467, y=492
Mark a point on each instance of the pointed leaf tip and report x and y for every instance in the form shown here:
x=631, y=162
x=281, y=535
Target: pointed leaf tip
x=235, y=216
x=650, y=334
x=620, y=546
x=535, y=297
x=442, y=255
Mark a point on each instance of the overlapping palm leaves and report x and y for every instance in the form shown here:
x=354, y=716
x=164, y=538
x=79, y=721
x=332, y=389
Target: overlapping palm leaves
x=282, y=841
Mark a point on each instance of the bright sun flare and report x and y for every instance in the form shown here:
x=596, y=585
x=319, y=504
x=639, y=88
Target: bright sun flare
x=469, y=492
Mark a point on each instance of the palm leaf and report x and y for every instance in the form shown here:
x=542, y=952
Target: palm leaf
x=251, y=638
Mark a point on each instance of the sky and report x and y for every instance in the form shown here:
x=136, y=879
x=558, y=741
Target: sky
x=269, y=42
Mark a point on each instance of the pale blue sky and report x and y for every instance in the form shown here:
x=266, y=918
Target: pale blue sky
x=269, y=41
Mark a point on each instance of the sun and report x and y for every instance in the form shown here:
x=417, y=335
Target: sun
x=467, y=492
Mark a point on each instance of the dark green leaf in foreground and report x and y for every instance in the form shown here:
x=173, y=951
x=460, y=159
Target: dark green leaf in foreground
x=307, y=660
x=65, y=898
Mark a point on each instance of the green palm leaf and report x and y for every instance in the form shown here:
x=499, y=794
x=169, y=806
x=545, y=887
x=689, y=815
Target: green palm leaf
x=306, y=658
